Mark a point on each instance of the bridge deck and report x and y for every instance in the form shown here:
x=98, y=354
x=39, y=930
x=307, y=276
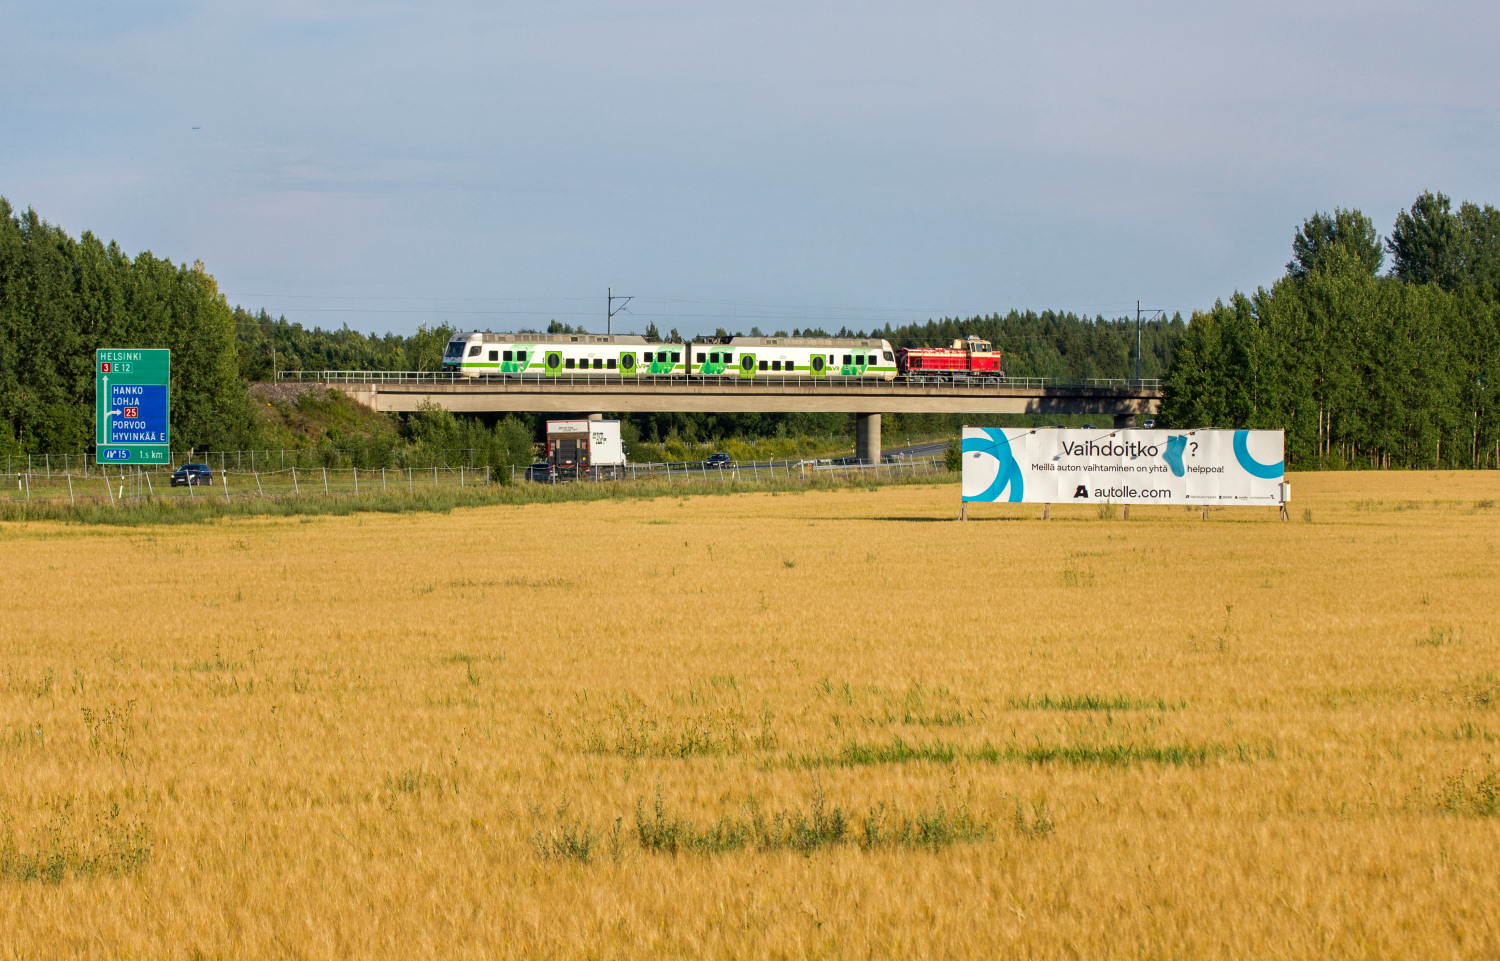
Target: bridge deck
x=602, y=392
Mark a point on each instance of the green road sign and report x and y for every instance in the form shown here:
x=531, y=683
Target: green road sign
x=132, y=409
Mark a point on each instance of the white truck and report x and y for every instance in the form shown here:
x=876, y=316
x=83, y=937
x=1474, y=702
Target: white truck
x=585, y=449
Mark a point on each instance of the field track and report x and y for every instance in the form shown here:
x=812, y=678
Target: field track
x=833, y=724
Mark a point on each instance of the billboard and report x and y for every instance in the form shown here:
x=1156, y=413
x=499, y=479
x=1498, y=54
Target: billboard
x=132, y=406
x=1041, y=465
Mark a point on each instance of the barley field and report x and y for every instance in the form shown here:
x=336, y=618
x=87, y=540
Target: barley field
x=827, y=724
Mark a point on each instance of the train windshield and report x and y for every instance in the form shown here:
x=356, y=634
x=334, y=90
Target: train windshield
x=455, y=348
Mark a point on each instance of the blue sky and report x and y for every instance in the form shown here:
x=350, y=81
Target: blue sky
x=495, y=165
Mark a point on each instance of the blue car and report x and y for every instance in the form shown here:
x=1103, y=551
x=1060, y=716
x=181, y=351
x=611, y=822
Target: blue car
x=719, y=459
x=192, y=475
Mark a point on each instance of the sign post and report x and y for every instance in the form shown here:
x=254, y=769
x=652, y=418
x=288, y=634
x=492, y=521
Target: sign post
x=132, y=409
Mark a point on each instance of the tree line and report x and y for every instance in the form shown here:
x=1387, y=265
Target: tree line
x=1360, y=368
x=1361, y=365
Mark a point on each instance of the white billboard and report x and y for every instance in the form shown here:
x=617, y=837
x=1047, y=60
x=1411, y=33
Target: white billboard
x=1053, y=466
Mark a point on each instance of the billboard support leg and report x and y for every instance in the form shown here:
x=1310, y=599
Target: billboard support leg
x=1125, y=513
x=963, y=511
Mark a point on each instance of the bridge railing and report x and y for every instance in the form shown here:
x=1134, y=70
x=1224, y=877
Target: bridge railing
x=570, y=378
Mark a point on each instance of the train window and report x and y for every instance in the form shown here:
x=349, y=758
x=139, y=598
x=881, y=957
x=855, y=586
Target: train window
x=521, y=356
x=676, y=356
x=610, y=363
x=598, y=363
x=729, y=358
x=790, y=365
x=889, y=357
x=508, y=356
x=474, y=351
x=713, y=358
x=494, y=355
x=569, y=364
x=775, y=365
x=701, y=358
x=913, y=361
x=764, y=365
x=848, y=360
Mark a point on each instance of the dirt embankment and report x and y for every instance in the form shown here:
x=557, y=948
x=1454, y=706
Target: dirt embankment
x=285, y=391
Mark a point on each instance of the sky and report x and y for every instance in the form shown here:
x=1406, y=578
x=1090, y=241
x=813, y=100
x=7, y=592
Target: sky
x=497, y=165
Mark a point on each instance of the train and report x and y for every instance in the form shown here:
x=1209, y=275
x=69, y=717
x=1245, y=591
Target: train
x=841, y=359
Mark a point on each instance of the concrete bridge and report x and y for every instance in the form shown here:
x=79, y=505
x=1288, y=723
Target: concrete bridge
x=588, y=394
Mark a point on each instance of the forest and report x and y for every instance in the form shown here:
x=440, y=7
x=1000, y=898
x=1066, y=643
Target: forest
x=1363, y=366
x=1360, y=368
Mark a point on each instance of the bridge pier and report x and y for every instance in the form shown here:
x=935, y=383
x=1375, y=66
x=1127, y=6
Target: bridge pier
x=1125, y=422
x=867, y=438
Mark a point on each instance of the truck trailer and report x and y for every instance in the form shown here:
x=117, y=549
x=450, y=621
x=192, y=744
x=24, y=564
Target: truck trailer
x=585, y=449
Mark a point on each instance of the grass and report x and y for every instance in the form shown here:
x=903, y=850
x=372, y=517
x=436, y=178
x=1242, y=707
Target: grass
x=629, y=727
x=74, y=846
x=805, y=831
x=899, y=751
x=145, y=511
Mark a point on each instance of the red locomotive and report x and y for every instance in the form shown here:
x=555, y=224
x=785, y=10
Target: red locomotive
x=970, y=357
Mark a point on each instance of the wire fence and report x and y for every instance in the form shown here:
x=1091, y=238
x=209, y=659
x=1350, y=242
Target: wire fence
x=263, y=459
x=740, y=472
x=117, y=484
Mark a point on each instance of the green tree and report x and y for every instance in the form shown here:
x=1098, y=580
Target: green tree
x=1427, y=243
x=1343, y=241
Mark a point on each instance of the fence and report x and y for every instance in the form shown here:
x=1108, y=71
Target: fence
x=131, y=485
x=261, y=459
x=755, y=471
x=123, y=485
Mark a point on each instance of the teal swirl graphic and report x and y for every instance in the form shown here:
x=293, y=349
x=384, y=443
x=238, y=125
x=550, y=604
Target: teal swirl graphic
x=1252, y=466
x=995, y=444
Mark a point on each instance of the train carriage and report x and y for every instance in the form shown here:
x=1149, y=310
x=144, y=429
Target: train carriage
x=750, y=358
x=479, y=354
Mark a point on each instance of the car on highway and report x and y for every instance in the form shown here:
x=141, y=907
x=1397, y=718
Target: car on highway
x=718, y=459
x=192, y=475
x=541, y=472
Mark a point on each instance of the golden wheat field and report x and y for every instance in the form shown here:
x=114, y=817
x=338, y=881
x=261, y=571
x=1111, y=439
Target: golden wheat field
x=830, y=724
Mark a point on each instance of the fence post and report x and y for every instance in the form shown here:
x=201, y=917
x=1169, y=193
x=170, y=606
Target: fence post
x=356, y=480
x=258, y=489
x=460, y=475
x=434, y=475
x=149, y=491
x=382, y=479
x=224, y=480
x=28, y=485
x=295, y=491
x=409, y=488
x=325, y=480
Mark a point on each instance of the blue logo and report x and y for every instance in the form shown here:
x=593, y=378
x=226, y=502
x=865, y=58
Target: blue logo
x=995, y=444
x=1252, y=466
x=1173, y=455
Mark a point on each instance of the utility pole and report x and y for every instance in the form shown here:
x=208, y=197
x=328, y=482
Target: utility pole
x=1137, y=342
x=609, y=322
x=1149, y=314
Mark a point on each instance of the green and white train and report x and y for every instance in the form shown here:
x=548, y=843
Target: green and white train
x=483, y=354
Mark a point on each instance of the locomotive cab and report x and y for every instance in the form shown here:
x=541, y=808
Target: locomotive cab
x=464, y=354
